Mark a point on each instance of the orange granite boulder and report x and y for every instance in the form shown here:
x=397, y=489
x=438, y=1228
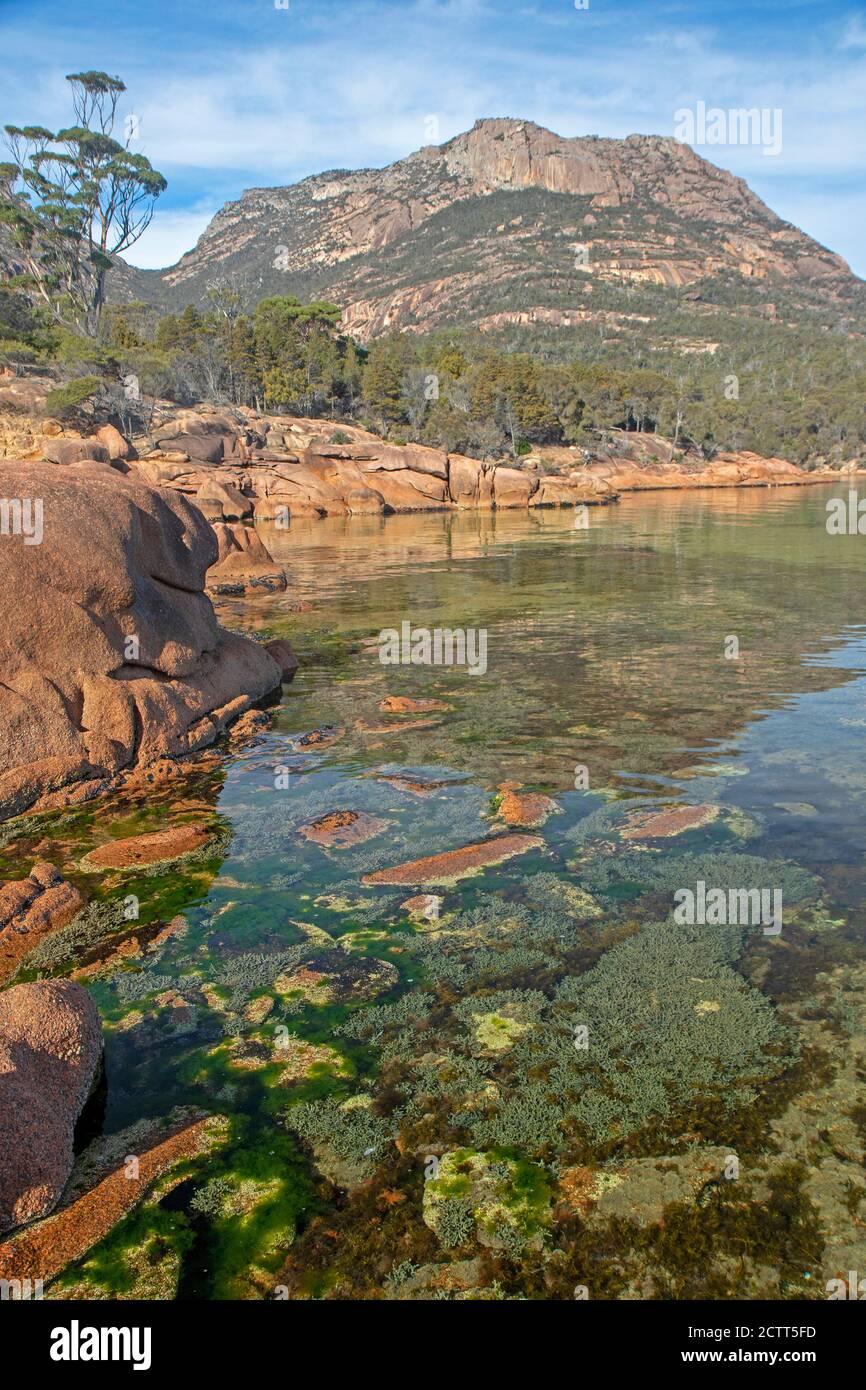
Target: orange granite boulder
x=50, y=1057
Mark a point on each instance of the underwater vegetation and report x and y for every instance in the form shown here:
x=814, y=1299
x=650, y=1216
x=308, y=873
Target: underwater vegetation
x=537, y=1084
x=648, y=873
x=659, y=1021
x=667, y=1021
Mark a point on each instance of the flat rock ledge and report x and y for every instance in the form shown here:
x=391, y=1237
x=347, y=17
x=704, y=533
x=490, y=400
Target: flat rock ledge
x=455, y=864
x=44, y=1250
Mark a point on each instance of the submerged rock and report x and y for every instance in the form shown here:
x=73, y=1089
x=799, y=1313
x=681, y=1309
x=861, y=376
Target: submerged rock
x=456, y=863
x=417, y=786
x=317, y=738
x=334, y=977
x=457, y=1279
x=496, y=1032
x=157, y=847
x=404, y=704
x=498, y=1202
x=249, y=727
x=300, y=1060
x=423, y=907
x=529, y=809
x=343, y=828
x=664, y=825
x=50, y=1054
x=640, y=1190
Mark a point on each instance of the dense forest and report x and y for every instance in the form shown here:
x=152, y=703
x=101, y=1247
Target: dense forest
x=800, y=396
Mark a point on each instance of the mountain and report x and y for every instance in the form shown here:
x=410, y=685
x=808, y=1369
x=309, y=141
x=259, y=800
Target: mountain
x=511, y=225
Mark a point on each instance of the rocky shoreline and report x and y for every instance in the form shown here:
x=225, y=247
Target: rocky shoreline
x=116, y=670
x=116, y=667
x=114, y=663
x=240, y=466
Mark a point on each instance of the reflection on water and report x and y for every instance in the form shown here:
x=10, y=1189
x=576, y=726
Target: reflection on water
x=606, y=645
x=411, y=1110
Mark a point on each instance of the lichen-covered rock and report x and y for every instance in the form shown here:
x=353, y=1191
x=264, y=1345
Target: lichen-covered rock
x=101, y=1192
x=528, y=809
x=664, y=824
x=455, y=864
x=343, y=828
x=50, y=1054
x=155, y=847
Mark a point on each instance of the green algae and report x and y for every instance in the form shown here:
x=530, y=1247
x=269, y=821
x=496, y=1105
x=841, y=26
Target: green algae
x=141, y=1258
x=521, y=956
x=500, y=1201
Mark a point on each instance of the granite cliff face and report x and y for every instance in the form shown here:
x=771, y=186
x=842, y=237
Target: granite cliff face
x=509, y=223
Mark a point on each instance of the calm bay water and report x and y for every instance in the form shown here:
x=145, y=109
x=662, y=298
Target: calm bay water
x=606, y=665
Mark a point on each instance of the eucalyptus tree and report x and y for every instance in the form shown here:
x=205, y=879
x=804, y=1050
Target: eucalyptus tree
x=73, y=201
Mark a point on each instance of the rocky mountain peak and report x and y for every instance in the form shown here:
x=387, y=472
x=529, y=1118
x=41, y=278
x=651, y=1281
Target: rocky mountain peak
x=510, y=223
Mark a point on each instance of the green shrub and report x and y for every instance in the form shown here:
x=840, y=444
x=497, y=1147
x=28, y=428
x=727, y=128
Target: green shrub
x=66, y=400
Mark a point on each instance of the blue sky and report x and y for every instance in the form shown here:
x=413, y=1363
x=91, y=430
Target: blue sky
x=232, y=94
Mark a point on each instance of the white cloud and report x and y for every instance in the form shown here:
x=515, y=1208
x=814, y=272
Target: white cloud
x=344, y=100
x=168, y=236
x=296, y=98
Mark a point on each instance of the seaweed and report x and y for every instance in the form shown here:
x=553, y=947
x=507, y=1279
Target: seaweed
x=96, y=921
x=368, y=1025
x=352, y=1131
x=649, y=872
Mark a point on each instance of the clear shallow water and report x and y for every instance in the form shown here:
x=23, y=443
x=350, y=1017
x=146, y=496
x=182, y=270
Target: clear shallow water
x=606, y=651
